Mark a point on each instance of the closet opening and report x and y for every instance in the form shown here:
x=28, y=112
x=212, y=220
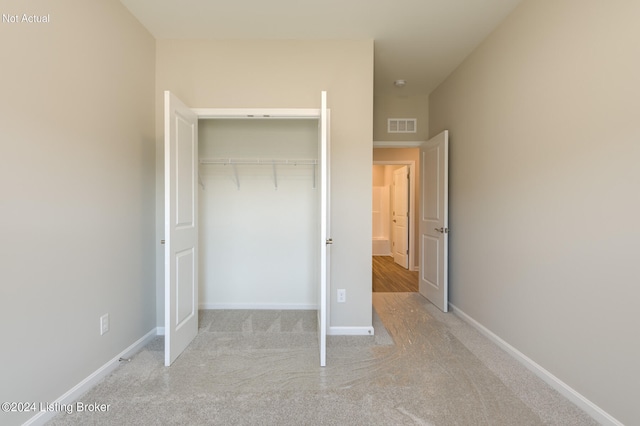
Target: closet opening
x=246, y=214
x=258, y=213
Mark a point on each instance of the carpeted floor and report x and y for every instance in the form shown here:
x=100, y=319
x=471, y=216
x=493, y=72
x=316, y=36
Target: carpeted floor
x=261, y=368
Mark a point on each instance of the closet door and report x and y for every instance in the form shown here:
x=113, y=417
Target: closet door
x=325, y=239
x=181, y=227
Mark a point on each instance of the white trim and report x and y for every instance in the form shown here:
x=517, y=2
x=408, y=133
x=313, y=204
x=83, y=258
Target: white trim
x=564, y=389
x=413, y=225
x=90, y=381
x=397, y=144
x=160, y=331
x=350, y=331
x=257, y=113
x=258, y=306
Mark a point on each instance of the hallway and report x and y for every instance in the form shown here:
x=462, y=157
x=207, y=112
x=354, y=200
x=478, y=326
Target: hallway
x=388, y=276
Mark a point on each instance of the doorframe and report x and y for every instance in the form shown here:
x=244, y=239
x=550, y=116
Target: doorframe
x=412, y=200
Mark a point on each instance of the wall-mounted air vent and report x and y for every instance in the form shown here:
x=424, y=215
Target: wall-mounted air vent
x=401, y=125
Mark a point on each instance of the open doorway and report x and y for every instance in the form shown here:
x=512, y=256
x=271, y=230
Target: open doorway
x=431, y=230
x=394, y=228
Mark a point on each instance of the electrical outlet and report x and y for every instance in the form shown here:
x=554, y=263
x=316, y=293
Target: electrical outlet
x=342, y=295
x=104, y=324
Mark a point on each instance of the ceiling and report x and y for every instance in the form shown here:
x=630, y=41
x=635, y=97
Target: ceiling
x=420, y=41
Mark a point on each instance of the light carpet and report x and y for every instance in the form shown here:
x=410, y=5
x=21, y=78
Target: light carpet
x=261, y=368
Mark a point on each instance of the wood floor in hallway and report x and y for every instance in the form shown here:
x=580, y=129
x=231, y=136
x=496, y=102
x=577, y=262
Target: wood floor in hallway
x=388, y=276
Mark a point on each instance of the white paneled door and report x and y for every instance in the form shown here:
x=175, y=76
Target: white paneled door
x=400, y=216
x=325, y=240
x=434, y=221
x=181, y=227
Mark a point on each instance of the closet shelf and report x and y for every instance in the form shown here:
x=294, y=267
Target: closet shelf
x=261, y=161
x=257, y=161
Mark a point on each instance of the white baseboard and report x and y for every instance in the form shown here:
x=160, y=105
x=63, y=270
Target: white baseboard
x=350, y=331
x=272, y=306
x=160, y=331
x=81, y=388
x=564, y=389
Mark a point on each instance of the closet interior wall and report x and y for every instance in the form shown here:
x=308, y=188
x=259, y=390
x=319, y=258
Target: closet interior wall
x=258, y=222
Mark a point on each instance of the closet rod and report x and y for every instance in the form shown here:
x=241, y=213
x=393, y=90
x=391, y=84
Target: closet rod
x=233, y=162
x=258, y=161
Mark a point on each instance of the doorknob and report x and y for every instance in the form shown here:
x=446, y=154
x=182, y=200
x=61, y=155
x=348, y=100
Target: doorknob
x=442, y=230
x=329, y=241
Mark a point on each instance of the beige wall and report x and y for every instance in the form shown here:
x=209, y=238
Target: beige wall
x=406, y=154
x=544, y=191
x=77, y=204
x=291, y=74
x=400, y=106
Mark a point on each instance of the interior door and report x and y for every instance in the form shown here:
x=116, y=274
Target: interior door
x=325, y=240
x=434, y=221
x=181, y=227
x=400, y=216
